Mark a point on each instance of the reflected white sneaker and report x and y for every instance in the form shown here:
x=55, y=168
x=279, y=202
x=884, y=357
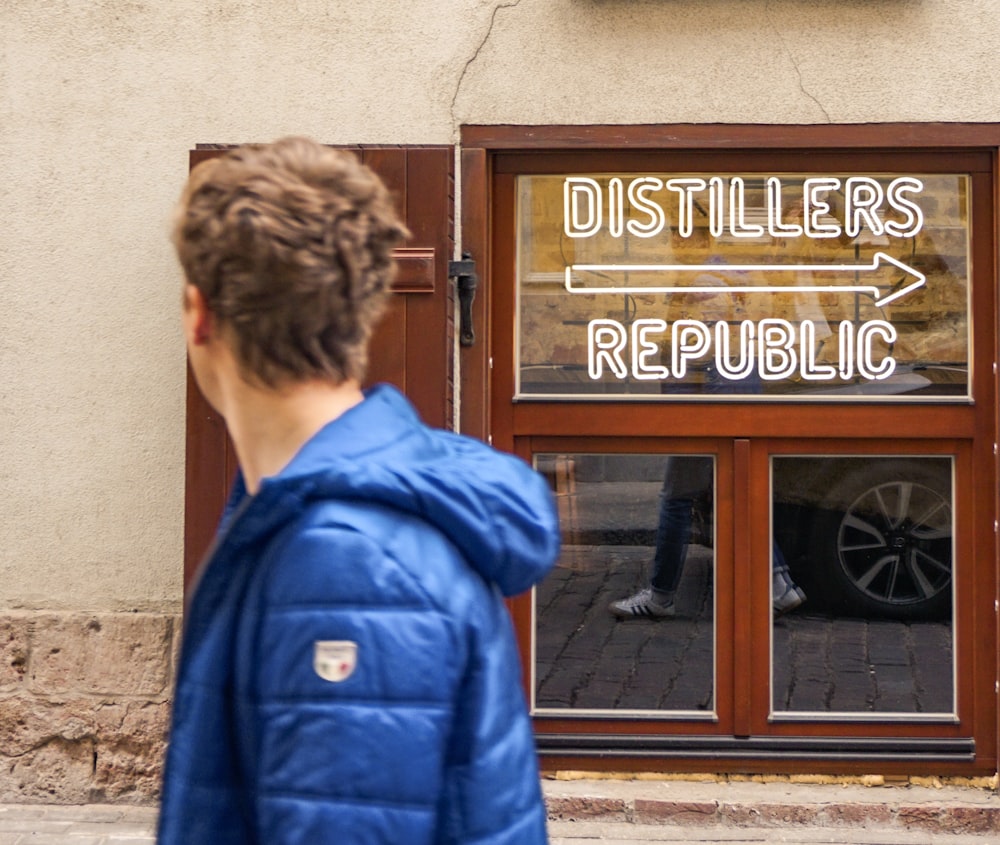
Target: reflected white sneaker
x=644, y=604
x=792, y=598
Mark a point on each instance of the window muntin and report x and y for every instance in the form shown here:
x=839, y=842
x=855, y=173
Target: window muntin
x=791, y=286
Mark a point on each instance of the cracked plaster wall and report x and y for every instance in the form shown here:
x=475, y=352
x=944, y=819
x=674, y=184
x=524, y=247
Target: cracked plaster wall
x=100, y=102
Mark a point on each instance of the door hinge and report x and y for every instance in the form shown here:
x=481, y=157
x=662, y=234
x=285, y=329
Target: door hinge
x=466, y=282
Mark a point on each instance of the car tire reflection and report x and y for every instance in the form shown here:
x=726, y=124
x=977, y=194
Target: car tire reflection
x=885, y=548
x=894, y=545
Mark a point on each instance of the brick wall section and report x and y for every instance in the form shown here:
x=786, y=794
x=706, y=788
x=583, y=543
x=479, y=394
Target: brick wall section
x=84, y=705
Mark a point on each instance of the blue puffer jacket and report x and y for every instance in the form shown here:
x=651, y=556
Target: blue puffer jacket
x=348, y=672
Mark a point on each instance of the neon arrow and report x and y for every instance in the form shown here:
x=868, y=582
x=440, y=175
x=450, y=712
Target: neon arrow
x=878, y=259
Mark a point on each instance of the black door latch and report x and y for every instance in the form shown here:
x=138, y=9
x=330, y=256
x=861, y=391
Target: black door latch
x=466, y=281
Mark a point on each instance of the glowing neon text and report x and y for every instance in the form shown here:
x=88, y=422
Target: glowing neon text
x=639, y=206
x=772, y=349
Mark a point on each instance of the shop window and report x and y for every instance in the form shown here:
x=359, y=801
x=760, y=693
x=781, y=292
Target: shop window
x=809, y=328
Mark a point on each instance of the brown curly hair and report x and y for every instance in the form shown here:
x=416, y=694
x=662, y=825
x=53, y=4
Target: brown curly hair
x=291, y=245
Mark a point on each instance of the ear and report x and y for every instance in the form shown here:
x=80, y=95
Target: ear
x=198, y=323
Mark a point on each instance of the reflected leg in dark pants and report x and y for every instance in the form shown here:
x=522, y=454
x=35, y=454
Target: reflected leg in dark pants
x=686, y=478
x=673, y=536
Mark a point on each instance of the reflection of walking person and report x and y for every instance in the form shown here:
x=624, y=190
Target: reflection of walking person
x=687, y=478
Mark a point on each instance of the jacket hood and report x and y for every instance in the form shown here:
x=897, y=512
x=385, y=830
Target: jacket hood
x=497, y=510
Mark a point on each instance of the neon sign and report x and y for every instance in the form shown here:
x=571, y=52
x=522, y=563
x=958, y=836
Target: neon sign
x=770, y=349
x=879, y=259
x=773, y=349
x=865, y=204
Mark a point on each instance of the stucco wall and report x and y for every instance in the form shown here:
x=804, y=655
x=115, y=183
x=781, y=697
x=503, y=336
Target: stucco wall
x=100, y=101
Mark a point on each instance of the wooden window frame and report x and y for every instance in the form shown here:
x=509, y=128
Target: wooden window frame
x=490, y=155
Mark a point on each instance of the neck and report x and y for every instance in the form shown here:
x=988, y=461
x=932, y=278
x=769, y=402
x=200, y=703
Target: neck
x=269, y=426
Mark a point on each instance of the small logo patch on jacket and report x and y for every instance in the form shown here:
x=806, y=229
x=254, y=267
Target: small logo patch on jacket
x=334, y=660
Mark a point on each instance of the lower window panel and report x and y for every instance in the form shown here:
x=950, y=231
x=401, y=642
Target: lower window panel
x=868, y=543
x=626, y=623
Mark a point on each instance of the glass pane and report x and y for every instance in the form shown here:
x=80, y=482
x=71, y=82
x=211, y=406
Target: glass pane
x=794, y=285
x=869, y=542
x=625, y=623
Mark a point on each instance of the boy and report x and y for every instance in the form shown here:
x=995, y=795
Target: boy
x=348, y=672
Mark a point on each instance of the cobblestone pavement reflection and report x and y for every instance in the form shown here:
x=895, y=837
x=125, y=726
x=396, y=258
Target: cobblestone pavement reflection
x=588, y=660
x=827, y=664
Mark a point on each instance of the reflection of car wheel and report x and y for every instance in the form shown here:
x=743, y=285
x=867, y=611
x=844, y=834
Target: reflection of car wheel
x=889, y=552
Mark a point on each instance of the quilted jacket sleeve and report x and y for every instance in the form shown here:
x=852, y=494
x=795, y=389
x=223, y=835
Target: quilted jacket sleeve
x=492, y=793
x=378, y=706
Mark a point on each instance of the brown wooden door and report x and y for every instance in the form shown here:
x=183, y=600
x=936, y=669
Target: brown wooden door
x=412, y=347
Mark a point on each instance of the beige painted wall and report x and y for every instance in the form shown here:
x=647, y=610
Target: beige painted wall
x=100, y=101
